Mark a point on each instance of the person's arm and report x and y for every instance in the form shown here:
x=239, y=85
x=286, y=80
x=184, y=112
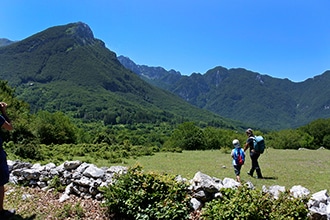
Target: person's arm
x=232, y=154
x=7, y=123
x=247, y=144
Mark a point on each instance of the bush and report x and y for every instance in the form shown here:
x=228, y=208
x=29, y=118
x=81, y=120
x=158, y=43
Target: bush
x=30, y=151
x=187, y=137
x=245, y=203
x=139, y=195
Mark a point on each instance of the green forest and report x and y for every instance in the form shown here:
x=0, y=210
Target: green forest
x=56, y=137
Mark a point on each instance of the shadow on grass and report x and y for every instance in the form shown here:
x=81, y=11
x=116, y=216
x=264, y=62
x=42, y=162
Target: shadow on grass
x=270, y=178
x=265, y=177
x=18, y=217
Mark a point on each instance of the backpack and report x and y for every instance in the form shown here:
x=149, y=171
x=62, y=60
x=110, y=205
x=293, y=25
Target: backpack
x=259, y=144
x=239, y=156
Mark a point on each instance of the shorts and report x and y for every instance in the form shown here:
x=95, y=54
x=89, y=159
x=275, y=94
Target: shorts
x=4, y=171
x=237, y=169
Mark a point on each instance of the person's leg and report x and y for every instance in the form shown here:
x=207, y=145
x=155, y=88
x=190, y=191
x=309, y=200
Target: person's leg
x=4, y=175
x=2, y=195
x=259, y=175
x=4, y=178
x=252, y=156
x=255, y=165
x=237, y=170
x=238, y=173
x=258, y=170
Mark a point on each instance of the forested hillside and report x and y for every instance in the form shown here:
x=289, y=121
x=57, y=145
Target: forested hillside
x=64, y=68
x=59, y=134
x=247, y=96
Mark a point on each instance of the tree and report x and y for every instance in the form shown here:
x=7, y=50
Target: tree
x=187, y=137
x=54, y=128
x=318, y=129
x=289, y=139
x=18, y=112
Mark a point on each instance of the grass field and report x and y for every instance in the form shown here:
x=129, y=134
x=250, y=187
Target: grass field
x=309, y=168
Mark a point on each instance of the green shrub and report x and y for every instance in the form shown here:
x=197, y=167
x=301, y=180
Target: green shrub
x=55, y=183
x=29, y=151
x=245, y=203
x=68, y=211
x=139, y=195
x=286, y=207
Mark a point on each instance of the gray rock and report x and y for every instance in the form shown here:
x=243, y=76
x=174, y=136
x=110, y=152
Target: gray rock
x=93, y=171
x=117, y=169
x=230, y=183
x=83, y=179
x=275, y=190
x=299, y=191
x=70, y=165
x=196, y=204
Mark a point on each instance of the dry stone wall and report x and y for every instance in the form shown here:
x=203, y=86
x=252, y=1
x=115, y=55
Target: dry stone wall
x=84, y=179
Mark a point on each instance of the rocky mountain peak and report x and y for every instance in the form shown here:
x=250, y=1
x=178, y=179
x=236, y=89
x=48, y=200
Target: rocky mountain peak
x=81, y=32
x=81, y=29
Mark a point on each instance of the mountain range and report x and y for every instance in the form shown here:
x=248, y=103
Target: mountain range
x=64, y=68
x=246, y=96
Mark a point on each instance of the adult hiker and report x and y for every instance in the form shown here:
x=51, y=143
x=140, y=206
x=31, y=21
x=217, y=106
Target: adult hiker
x=254, y=155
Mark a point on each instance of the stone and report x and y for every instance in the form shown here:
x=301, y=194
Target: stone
x=83, y=180
x=299, y=191
x=93, y=171
x=274, y=190
x=70, y=165
x=230, y=183
x=196, y=204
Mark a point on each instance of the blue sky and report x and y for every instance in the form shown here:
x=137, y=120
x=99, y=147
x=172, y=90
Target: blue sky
x=283, y=38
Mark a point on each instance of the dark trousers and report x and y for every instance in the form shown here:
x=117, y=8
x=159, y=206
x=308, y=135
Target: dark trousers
x=4, y=171
x=255, y=165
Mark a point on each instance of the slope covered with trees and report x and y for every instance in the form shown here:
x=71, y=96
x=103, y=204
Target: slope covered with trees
x=239, y=94
x=64, y=68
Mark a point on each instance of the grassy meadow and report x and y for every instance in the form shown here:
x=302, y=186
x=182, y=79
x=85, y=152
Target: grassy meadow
x=309, y=168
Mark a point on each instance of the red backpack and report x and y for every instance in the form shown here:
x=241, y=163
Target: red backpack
x=239, y=156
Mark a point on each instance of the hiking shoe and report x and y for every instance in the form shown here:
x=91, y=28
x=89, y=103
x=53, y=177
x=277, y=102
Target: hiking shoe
x=7, y=214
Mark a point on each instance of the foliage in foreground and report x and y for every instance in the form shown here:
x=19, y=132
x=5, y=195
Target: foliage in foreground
x=244, y=203
x=139, y=195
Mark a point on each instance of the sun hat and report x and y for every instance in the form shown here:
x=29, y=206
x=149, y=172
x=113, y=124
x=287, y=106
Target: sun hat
x=249, y=131
x=236, y=143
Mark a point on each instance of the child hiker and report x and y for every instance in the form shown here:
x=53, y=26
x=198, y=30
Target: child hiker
x=238, y=156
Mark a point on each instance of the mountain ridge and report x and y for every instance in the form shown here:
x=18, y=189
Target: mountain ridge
x=64, y=68
x=247, y=96
x=69, y=58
